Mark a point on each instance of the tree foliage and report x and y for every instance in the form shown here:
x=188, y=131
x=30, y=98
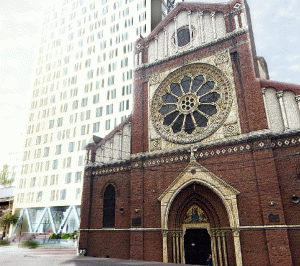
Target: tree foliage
x=4, y=180
x=6, y=220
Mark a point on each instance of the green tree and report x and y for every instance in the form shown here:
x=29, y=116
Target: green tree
x=4, y=180
x=6, y=220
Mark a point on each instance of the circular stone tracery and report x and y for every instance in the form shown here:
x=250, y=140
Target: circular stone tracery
x=188, y=103
x=191, y=103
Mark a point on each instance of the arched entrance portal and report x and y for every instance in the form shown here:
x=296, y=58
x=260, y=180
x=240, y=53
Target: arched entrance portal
x=199, y=216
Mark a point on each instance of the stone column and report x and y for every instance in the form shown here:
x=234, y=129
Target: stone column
x=177, y=248
x=165, y=246
x=283, y=111
x=176, y=39
x=213, y=20
x=297, y=98
x=237, y=246
x=273, y=110
x=166, y=40
x=219, y=248
x=182, y=248
x=243, y=19
x=214, y=248
x=224, y=248
x=156, y=47
x=174, y=236
x=237, y=23
x=117, y=146
x=200, y=14
x=190, y=28
x=140, y=58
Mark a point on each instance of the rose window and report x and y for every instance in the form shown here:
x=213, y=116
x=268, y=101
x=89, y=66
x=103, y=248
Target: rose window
x=191, y=103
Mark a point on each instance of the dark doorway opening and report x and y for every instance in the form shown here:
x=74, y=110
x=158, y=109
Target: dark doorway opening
x=196, y=246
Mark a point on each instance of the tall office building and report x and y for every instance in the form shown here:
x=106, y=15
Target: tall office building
x=82, y=87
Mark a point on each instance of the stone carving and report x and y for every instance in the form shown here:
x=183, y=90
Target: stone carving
x=231, y=130
x=154, y=79
x=191, y=103
x=155, y=145
x=221, y=57
x=237, y=6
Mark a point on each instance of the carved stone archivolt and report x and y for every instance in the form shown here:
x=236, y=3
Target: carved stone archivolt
x=191, y=103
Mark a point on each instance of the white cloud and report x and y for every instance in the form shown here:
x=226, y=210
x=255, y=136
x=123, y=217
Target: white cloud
x=295, y=68
x=273, y=75
x=292, y=38
x=291, y=58
x=289, y=10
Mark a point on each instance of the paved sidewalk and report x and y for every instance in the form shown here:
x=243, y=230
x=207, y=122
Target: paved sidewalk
x=14, y=255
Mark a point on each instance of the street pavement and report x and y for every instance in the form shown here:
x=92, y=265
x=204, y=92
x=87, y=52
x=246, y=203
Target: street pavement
x=17, y=256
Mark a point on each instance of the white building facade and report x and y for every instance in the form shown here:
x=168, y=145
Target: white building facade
x=82, y=87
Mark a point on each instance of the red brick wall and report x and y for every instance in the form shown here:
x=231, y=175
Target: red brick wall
x=260, y=174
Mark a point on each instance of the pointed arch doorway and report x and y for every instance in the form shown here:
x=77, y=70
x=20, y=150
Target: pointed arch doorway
x=196, y=186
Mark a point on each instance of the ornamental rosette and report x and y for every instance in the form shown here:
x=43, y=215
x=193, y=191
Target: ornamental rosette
x=191, y=103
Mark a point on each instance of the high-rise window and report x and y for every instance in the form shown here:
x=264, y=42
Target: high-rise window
x=46, y=151
x=84, y=102
x=63, y=194
x=78, y=177
x=96, y=127
x=55, y=164
x=39, y=196
x=75, y=104
x=78, y=193
x=52, y=180
x=71, y=146
x=32, y=181
x=59, y=122
x=80, y=160
x=121, y=106
x=58, y=149
x=52, y=195
x=111, y=80
x=109, y=109
x=68, y=178
x=96, y=98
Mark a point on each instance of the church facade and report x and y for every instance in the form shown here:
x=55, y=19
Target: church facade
x=209, y=161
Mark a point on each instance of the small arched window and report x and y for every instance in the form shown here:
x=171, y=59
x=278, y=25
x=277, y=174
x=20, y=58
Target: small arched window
x=109, y=206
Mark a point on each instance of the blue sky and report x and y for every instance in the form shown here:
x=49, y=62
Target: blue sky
x=276, y=25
